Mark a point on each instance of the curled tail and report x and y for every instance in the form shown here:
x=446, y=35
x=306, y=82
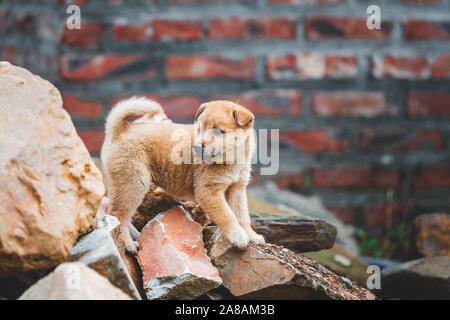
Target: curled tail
x=116, y=121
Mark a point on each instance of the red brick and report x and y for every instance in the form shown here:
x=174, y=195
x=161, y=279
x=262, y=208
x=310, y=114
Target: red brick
x=209, y=67
x=351, y=104
x=16, y=21
x=401, y=67
x=159, y=30
x=386, y=215
x=314, y=2
x=238, y=28
x=401, y=140
x=416, y=29
x=328, y=27
x=440, y=66
x=315, y=141
x=89, y=34
x=354, y=177
x=343, y=214
x=8, y=54
x=432, y=177
x=294, y=182
x=93, y=139
x=82, y=108
x=180, y=107
x=79, y=68
x=428, y=104
x=269, y=101
x=311, y=66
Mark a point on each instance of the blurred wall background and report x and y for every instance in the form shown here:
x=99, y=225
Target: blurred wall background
x=363, y=114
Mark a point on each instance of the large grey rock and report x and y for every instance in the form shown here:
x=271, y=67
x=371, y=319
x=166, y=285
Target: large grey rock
x=304, y=206
x=73, y=281
x=301, y=234
x=98, y=251
x=426, y=278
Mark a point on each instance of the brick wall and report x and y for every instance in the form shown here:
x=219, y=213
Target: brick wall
x=361, y=112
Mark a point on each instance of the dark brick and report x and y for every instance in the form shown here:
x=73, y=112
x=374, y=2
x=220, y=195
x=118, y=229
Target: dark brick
x=432, y=177
x=315, y=141
x=354, y=177
x=440, y=66
x=401, y=140
x=154, y=30
x=89, y=34
x=209, y=67
x=93, y=139
x=269, y=101
x=82, y=108
x=73, y=68
x=416, y=29
x=328, y=27
x=352, y=104
x=238, y=28
x=428, y=104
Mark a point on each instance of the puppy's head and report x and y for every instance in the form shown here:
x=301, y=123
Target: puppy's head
x=223, y=132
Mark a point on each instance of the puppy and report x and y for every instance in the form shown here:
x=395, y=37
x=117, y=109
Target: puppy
x=207, y=162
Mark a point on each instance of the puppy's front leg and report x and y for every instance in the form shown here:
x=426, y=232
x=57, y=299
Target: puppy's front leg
x=237, y=199
x=216, y=206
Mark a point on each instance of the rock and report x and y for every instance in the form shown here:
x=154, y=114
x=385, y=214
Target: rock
x=341, y=261
x=426, y=278
x=98, y=251
x=50, y=187
x=305, y=206
x=130, y=262
x=156, y=201
x=300, y=234
x=433, y=234
x=273, y=272
x=73, y=281
x=172, y=257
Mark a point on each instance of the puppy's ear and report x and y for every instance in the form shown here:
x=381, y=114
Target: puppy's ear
x=243, y=117
x=199, y=111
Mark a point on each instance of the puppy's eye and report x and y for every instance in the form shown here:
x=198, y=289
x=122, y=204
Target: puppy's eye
x=218, y=132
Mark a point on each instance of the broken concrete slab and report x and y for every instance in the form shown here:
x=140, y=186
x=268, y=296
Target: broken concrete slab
x=173, y=259
x=98, y=250
x=73, y=281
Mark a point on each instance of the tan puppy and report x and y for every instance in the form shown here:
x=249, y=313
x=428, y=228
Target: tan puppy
x=155, y=150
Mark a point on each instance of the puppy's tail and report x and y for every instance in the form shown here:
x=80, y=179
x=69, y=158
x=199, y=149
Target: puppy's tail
x=135, y=106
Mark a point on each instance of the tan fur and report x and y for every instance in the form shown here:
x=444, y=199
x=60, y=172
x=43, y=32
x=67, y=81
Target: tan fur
x=139, y=153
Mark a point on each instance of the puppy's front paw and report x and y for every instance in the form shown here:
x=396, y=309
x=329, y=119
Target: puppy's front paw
x=238, y=238
x=256, y=238
x=132, y=247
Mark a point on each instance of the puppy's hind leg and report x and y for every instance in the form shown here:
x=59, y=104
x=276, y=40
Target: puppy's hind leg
x=127, y=192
